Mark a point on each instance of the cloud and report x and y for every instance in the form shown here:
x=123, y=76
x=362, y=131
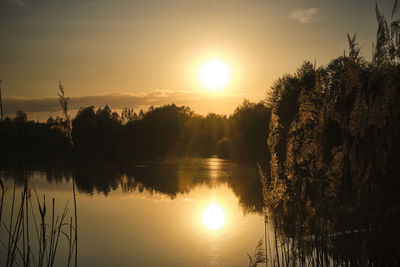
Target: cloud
x=304, y=16
x=20, y=3
x=201, y=102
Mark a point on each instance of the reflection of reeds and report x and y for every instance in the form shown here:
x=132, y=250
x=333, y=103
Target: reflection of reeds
x=49, y=229
x=2, y=201
x=258, y=255
x=76, y=223
x=323, y=245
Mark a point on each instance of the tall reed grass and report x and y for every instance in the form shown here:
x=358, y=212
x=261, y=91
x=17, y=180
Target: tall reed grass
x=31, y=240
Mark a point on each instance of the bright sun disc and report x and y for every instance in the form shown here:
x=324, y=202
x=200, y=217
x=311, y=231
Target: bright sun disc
x=214, y=74
x=213, y=216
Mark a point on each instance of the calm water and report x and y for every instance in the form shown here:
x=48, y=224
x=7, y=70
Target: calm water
x=189, y=212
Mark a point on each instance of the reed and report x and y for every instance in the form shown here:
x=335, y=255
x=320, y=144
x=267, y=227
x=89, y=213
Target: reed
x=40, y=247
x=258, y=255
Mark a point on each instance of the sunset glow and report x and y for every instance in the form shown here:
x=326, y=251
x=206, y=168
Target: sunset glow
x=214, y=74
x=181, y=133
x=214, y=216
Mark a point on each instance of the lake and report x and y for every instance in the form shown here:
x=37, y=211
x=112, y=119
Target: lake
x=181, y=212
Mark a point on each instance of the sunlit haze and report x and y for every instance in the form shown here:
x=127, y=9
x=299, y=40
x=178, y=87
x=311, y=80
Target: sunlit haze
x=213, y=216
x=150, y=52
x=199, y=132
x=214, y=74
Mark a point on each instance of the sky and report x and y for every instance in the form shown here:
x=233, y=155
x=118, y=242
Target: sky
x=148, y=52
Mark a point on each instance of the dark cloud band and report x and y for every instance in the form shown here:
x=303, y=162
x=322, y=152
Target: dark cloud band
x=200, y=101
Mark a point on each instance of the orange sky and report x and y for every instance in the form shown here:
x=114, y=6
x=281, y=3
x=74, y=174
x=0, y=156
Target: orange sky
x=140, y=47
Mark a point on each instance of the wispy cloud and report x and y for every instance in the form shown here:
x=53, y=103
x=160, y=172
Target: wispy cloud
x=199, y=101
x=21, y=3
x=304, y=16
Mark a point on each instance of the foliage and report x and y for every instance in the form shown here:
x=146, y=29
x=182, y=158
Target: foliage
x=334, y=143
x=165, y=131
x=22, y=138
x=248, y=129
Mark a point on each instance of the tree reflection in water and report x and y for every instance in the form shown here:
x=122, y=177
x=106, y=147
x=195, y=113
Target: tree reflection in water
x=170, y=177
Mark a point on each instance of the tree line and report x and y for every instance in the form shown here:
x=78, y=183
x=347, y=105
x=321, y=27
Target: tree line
x=165, y=131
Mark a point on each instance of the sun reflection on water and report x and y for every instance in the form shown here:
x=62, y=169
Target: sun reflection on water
x=214, y=216
x=214, y=166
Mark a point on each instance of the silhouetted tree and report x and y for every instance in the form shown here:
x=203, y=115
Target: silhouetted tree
x=21, y=117
x=248, y=129
x=128, y=115
x=1, y=103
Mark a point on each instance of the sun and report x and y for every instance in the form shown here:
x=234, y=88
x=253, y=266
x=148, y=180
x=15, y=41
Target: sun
x=213, y=216
x=214, y=74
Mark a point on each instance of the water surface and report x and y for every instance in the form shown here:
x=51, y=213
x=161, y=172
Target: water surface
x=186, y=212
